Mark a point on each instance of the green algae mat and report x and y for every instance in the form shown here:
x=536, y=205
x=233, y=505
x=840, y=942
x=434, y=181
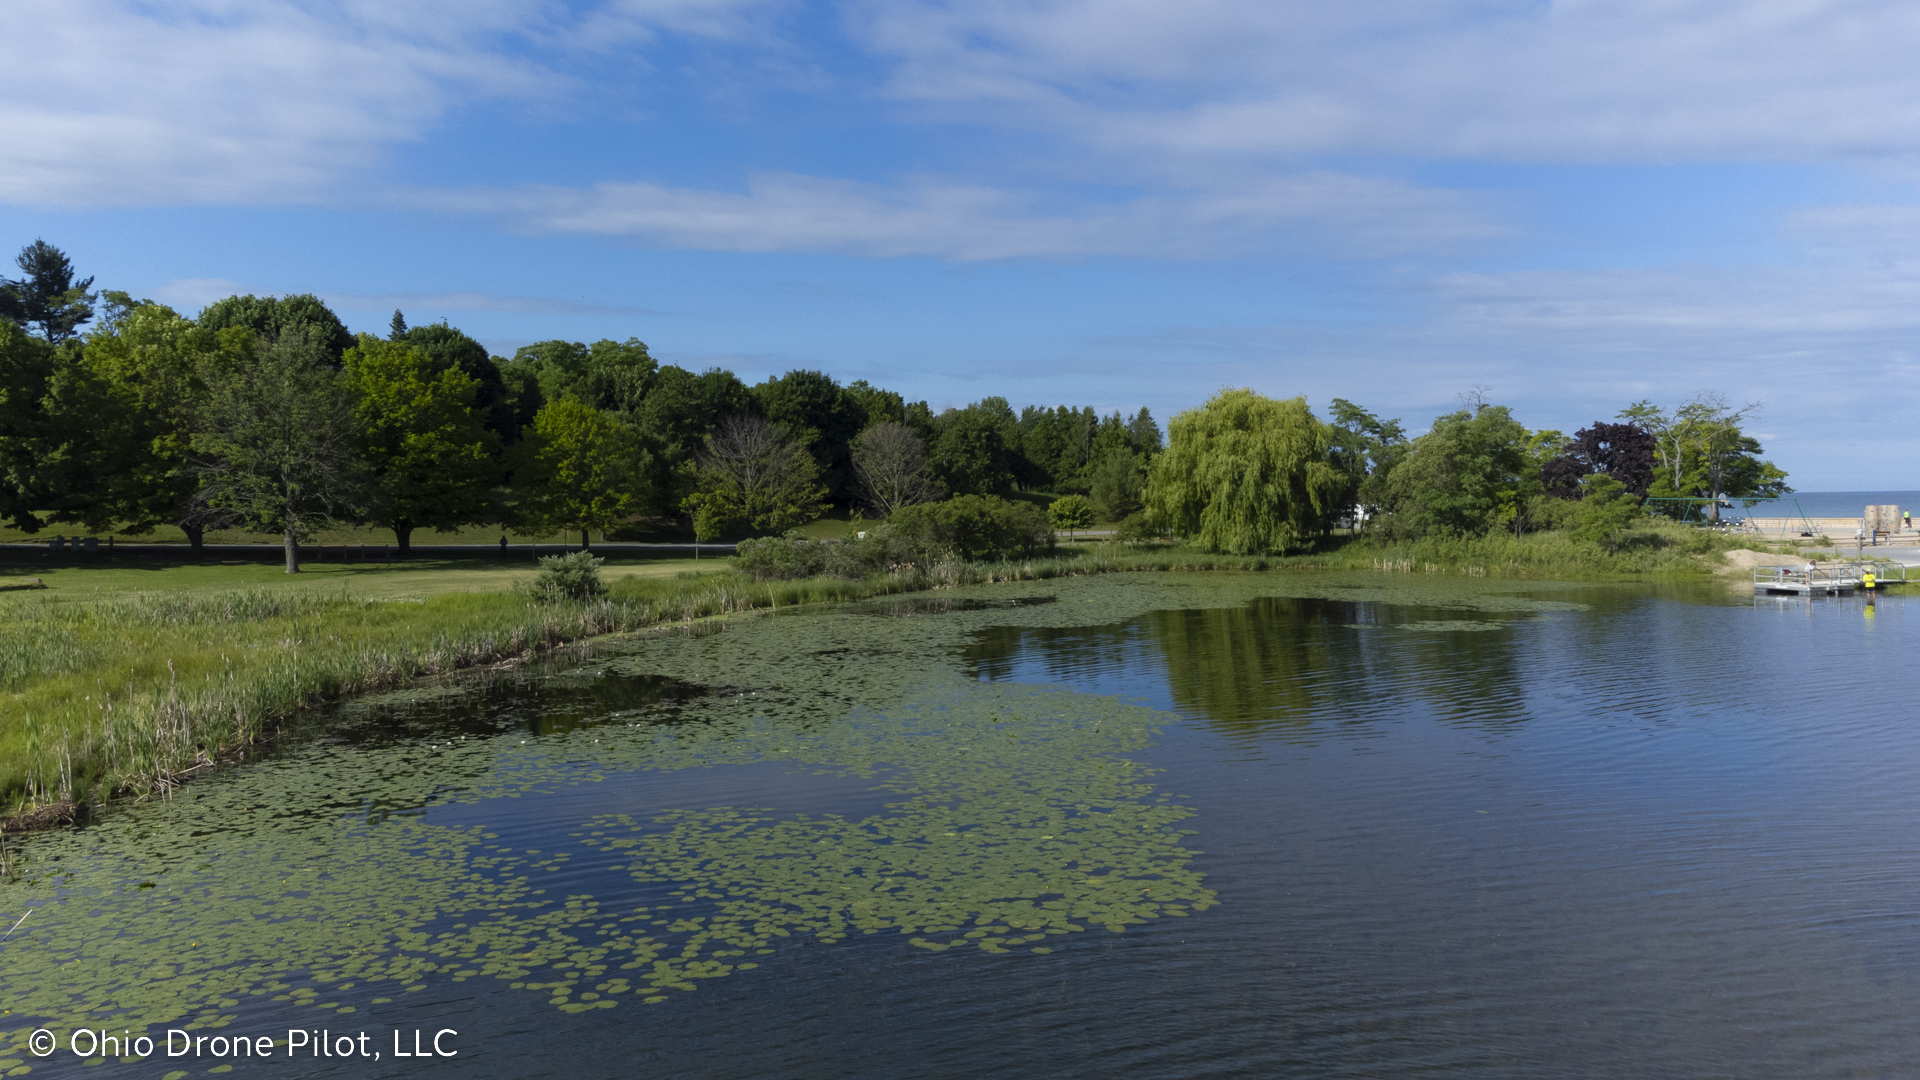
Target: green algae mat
x=345, y=874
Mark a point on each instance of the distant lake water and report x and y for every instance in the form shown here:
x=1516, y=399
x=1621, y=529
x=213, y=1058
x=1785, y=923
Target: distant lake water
x=1127, y=826
x=1831, y=503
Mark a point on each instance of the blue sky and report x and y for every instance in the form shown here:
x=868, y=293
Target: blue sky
x=1108, y=202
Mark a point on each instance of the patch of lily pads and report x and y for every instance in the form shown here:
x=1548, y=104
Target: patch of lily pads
x=1021, y=818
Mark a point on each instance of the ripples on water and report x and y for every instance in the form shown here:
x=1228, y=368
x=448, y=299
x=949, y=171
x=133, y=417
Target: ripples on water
x=1651, y=838
x=1578, y=832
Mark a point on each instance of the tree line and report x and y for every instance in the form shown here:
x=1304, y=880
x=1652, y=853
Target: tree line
x=267, y=413
x=1247, y=474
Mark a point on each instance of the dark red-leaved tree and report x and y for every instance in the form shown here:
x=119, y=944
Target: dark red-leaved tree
x=1622, y=451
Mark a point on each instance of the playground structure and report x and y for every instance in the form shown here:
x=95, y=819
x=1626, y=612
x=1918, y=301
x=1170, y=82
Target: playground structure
x=1787, y=521
x=1791, y=523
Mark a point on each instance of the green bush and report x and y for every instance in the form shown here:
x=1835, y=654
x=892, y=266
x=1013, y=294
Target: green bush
x=1070, y=512
x=569, y=577
x=974, y=528
x=1137, y=530
x=795, y=555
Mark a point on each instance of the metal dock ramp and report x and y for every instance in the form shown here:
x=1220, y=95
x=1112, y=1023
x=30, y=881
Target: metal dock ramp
x=1825, y=579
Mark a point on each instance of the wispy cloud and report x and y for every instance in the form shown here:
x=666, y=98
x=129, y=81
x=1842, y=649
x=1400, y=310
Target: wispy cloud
x=1829, y=348
x=434, y=302
x=785, y=212
x=1629, y=80
x=116, y=102
x=195, y=293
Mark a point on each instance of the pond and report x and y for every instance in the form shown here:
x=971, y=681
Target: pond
x=1133, y=825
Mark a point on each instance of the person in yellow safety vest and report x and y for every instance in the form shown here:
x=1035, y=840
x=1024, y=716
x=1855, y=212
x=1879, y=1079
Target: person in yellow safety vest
x=1866, y=581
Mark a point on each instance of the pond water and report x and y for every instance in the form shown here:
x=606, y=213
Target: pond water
x=1134, y=825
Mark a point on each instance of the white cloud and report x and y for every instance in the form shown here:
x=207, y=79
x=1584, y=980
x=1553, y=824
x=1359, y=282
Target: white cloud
x=115, y=102
x=1831, y=348
x=620, y=22
x=785, y=212
x=1575, y=80
x=195, y=293
x=427, y=303
x=191, y=294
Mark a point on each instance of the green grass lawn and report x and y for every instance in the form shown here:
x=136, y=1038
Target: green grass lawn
x=353, y=534
x=411, y=578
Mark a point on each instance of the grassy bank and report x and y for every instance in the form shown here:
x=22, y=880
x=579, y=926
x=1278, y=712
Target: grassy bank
x=126, y=691
x=107, y=687
x=1657, y=549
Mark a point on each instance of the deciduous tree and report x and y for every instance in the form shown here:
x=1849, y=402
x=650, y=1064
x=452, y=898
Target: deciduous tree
x=1705, y=453
x=154, y=367
x=892, y=465
x=823, y=417
x=1245, y=474
x=1468, y=474
x=448, y=348
x=1364, y=449
x=971, y=455
x=26, y=367
x=1626, y=452
x=972, y=527
x=302, y=315
x=428, y=457
x=754, y=472
x=275, y=442
x=613, y=376
x=578, y=466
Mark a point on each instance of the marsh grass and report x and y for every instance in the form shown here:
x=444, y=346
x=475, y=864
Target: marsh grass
x=1655, y=550
x=128, y=692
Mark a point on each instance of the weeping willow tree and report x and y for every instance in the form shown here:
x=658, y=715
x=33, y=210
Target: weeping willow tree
x=1246, y=474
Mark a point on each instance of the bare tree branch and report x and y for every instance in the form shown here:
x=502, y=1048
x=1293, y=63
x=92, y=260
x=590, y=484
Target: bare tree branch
x=892, y=464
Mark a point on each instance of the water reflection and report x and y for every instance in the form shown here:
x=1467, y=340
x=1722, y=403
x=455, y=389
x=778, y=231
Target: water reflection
x=531, y=702
x=1283, y=666
x=1693, y=858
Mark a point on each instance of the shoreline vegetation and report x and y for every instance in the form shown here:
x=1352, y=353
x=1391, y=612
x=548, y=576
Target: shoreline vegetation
x=132, y=693
x=267, y=415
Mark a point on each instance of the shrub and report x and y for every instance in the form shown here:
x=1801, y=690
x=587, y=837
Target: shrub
x=1606, y=512
x=1137, y=530
x=973, y=528
x=569, y=577
x=783, y=558
x=1070, y=512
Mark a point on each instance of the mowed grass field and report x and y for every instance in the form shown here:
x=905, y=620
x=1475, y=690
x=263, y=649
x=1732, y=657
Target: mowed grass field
x=410, y=578
x=836, y=523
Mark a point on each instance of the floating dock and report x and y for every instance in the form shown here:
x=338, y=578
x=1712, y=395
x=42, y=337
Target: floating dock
x=1826, y=579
